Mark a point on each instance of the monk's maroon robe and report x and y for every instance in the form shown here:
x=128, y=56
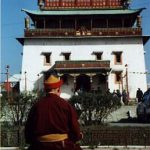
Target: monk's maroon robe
x=52, y=115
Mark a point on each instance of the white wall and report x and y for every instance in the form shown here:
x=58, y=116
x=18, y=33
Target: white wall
x=81, y=49
x=68, y=89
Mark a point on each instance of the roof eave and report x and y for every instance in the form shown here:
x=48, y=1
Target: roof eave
x=145, y=39
x=79, y=12
x=20, y=40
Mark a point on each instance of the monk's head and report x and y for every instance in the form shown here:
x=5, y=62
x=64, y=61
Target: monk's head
x=53, y=85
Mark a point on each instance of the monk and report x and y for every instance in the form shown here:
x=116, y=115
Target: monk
x=52, y=122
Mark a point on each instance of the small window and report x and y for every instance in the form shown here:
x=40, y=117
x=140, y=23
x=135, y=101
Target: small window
x=47, y=58
x=118, y=77
x=98, y=55
x=117, y=58
x=66, y=55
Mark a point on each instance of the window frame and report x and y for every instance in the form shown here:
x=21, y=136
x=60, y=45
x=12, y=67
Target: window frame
x=66, y=54
x=96, y=55
x=116, y=54
x=47, y=54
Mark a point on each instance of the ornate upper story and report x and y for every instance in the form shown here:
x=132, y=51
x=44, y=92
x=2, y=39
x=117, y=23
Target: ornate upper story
x=86, y=4
x=105, y=18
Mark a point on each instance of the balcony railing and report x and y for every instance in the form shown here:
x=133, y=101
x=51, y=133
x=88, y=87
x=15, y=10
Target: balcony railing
x=84, y=32
x=55, y=4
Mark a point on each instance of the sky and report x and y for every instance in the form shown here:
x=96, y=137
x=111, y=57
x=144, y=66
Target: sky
x=12, y=27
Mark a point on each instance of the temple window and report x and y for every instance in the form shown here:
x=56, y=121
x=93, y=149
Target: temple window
x=47, y=58
x=117, y=58
x=66, y=55
x=98, y=55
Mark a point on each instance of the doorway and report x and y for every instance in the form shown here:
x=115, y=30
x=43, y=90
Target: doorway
x=83, y=83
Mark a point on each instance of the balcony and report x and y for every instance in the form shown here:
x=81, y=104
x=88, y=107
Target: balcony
x=56, y=4
x=82, y=32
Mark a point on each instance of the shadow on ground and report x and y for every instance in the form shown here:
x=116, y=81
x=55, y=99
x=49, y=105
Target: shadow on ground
x=131, y=120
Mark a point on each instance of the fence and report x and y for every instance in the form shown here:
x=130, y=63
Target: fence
x=102, y=136
x=120, y=136
x=12, y=138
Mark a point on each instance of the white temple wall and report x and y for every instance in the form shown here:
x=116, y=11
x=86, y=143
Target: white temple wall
x=81, y=49
x=68, y=89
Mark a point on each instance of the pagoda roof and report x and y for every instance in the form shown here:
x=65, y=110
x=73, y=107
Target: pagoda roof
x=83, y=12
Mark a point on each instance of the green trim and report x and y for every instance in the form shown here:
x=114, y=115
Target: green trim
x=83, y=12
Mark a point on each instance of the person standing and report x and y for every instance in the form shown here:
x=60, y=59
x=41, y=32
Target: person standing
x=124, y=97
x=52, y=123
x=119, y=95
x=139, y=95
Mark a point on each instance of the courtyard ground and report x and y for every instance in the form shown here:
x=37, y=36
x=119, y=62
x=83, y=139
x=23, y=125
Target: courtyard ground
x=121, y=113
x=120, y=148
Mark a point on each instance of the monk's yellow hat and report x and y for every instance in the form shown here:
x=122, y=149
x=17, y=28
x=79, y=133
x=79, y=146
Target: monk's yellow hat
x=53, y=82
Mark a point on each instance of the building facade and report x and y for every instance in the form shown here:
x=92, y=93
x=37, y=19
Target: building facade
x=91, y=44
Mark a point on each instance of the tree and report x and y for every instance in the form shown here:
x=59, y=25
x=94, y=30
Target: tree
x=15, y=111
x=95, y=107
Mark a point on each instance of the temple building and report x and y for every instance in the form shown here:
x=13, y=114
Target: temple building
x=90, y=44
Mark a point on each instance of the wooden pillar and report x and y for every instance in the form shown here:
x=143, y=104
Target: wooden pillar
x=35, y=24
x=60, y=23
x=7, y=84
x=91, y=23
x=74, y=81
x=107, y=23
x=25, y=80
x=91, y=81
x=44, y=23
x=75, y=24
x=127, y=86
x=122, y=22
x=27, y=23
x=38, y=85
x=106, y=75
x=139, y=21
x=121, y=82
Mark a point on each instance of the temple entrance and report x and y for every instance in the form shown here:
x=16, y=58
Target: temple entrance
x=83, y=83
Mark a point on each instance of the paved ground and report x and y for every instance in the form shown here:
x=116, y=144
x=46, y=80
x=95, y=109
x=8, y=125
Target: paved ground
x=121, y=148
x=122, y=113
x=120, y=117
